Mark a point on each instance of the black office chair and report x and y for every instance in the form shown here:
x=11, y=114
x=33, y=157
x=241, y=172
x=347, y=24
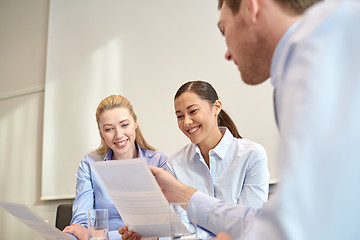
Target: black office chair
x=272, y=188
x=63, y=216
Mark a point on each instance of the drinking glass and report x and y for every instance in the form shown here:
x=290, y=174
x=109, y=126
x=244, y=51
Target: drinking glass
x=194, y=232
x=98, y=224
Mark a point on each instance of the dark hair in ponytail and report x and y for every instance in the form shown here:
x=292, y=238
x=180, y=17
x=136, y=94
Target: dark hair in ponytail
x=206, y=92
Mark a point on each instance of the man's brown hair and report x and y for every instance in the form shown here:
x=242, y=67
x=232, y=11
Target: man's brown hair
x=292, y=6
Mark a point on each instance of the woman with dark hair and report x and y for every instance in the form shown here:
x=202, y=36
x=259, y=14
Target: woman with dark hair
x=218, y=162
x=121, y=138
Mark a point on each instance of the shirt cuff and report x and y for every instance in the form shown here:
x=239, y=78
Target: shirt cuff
x=199, y=207
x=71, y=235
x=114, y=235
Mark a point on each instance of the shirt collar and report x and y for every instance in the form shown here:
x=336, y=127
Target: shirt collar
x=220, y=149
x=141, y=152
x=108, y=155
x=279, y=49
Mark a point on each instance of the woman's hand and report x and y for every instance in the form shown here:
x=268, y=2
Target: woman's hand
x=128, y=235
x=78, y=231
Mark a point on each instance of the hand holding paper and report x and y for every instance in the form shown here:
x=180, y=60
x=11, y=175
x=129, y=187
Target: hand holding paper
x=137, y=196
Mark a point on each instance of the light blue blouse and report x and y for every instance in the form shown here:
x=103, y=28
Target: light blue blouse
x=91, y=193
x=238, y=171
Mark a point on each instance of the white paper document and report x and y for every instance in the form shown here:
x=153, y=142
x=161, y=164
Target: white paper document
x=137, y=197
x=38, y=224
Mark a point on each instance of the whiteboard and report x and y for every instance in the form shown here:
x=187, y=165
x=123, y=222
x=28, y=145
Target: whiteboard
x=144, y=50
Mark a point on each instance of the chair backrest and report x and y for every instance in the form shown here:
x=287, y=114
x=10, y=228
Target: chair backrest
x=63, y=216
x=272, y=188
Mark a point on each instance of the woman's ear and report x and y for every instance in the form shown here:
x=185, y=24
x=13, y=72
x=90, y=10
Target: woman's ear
x=218, y=107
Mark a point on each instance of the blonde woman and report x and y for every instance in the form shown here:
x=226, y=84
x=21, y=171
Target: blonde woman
x=121, y=138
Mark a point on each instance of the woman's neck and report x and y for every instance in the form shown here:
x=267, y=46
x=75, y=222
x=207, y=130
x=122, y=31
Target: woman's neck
x=133, y=153
x=209, y=144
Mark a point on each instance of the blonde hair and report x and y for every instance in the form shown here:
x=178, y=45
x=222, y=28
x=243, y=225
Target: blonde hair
x=117, y=101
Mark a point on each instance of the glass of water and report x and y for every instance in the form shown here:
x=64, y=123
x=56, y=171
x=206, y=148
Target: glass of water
x=98, y=224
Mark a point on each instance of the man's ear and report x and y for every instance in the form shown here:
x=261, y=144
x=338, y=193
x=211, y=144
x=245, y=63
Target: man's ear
x=251, y=8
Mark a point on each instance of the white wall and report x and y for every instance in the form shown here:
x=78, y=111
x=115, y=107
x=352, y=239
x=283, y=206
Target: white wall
x=144, y=50
x=23, y=35
x=23, y=44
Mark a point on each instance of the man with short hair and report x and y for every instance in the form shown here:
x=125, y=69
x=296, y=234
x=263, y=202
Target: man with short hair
x=314, y=65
